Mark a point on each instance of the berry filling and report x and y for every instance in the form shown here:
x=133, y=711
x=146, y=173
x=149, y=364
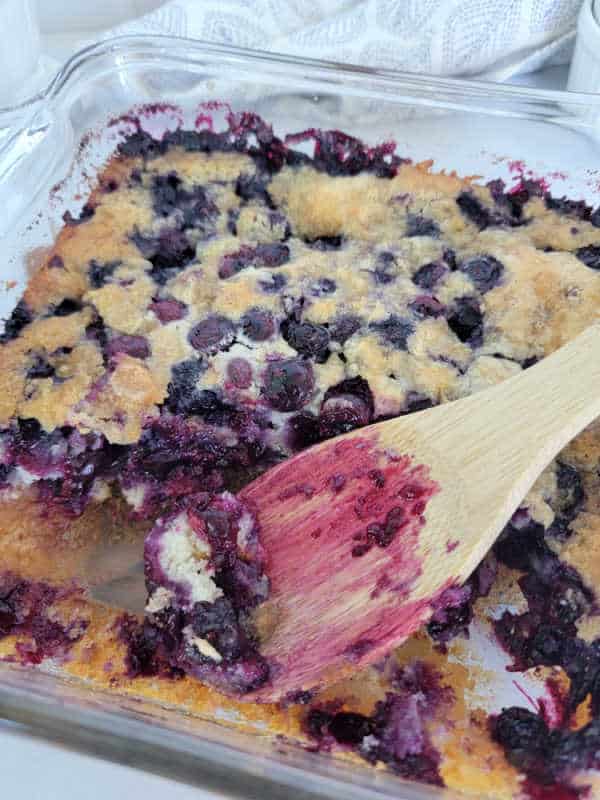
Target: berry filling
x=466, y=321
x=19, y=318
x=272, y=361
x=169, y=252
x=396, y=732
x=204, y=570
x=394, y=330
x=484, y=271
x=590, y=255
x=26, y=610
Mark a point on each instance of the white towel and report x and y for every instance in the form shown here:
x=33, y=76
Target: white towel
x=492, y=38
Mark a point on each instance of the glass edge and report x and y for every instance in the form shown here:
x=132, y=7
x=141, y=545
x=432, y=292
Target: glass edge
x=117, y=729
x=418, y=83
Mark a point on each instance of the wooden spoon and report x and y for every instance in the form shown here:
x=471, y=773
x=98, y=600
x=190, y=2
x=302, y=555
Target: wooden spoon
x=369, y=533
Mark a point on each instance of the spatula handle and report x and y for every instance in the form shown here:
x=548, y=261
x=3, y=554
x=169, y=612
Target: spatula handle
x=512, y=431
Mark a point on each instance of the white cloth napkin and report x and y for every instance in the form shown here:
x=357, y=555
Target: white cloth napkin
x=494, y=38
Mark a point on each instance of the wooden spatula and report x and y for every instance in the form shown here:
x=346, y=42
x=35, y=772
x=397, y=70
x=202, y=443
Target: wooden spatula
x=367, y=534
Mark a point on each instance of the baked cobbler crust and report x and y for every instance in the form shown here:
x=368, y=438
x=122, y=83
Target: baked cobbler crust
x=224, y=300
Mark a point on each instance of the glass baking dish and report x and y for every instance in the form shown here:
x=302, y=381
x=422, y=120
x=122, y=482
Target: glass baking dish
x=50, y=150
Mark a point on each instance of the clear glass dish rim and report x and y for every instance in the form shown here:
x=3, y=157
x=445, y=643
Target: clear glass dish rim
x=420, y=84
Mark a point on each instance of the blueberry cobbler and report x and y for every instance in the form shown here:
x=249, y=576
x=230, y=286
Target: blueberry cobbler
x=224, y=300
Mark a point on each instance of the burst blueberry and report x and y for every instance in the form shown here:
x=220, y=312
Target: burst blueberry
x=428, y=275
x=307, y=338
x=590, y=255
x=485, y=271
x=212, y=334
x=258, y=324
x=418, y=225
x=466, y=321
x=394, y=330
x=288, y=384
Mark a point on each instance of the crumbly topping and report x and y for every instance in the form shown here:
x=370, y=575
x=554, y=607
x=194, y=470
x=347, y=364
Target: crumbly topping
x=230, y=300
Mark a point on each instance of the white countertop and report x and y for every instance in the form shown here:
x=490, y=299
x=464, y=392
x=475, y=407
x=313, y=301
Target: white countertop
x=37, y=769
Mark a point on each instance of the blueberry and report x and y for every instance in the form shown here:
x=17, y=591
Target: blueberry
x=288, y=384
x=253, y=187
x=546, y=646
x=573, y=208
x=317, y=722
x=19, y=318
x=303, y=430
x=571, y=495
x=276, y=283
x=87, y=212
x=449, y=257
x=497, y=189
x=212, y=334
x=308, y=339
x=453, y=621
x=473, y=209
x=346, y=406
x=428, y=275
x=517, y=547
x=417, y=225
x=427, y=306
x=218, y=623
x=525, y=739
x=258, y=324
x=343, y=328
x=182, y=392
x=339, y=154
x=56, y=262
x=41, y=368
x=466, y=321
x=485, y=271
x=357, y=388
x=350, y=728
x=394, y=330
x=323, y=286
x=98, y=273
x=590, y=255
x=382, y=277
x=109, y=186
x=416, y=402
x=325, y=243
x=168, y=309
x=516, y=199
x=141, y=144
x=595, y=218
x=66, y=307
x=196, y=208
x=203, y=141
x=96, y=332
x=233, y=263
x=134, y=346
x=272, y=254
x=165, y=190
x=169, y=253
x=382, y=273
x=383, y=534
x=530, y=361
x=185, y=398
x=239, y=373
